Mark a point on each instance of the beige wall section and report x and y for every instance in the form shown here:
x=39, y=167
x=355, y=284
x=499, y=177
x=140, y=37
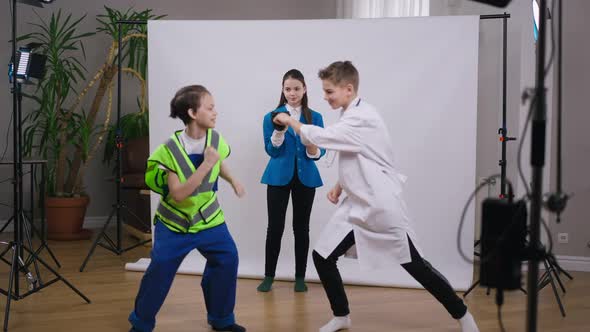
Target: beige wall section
x=576, y=137
x=489, y=117
x=96, y=50
x=575, y=134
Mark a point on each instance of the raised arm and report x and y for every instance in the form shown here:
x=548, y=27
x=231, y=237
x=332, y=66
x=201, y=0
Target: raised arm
x=342, y=136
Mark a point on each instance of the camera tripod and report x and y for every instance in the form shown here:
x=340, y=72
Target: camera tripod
x=108, y=243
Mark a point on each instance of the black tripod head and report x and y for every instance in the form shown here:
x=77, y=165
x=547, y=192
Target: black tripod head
x=556, y=202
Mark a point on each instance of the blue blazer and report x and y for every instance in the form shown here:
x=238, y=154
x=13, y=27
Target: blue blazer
x=281, y=166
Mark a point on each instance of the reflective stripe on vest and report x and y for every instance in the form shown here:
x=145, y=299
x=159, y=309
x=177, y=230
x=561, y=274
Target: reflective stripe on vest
x=206, y=185
x=203, y=214
x=179, y=157
x=186, y=169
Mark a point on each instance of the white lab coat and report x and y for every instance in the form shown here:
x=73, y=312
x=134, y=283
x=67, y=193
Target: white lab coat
x=374, y=208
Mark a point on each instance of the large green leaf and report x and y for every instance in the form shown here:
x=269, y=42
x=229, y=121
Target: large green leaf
x=62, y=43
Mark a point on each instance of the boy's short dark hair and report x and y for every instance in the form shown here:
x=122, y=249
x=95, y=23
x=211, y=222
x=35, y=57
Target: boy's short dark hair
x=341, y=72
x=185, y=99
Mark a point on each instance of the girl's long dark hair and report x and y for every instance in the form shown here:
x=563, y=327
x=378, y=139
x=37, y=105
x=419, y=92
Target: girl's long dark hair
x=296, y=75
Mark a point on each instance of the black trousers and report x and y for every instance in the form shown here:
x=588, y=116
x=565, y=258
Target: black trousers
x=277, y=198
x=419, y=268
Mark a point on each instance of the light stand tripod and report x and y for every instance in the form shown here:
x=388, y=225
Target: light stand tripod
x=16, y=263
x=503, y=131
x=30, y=233
x=556, y=202
x=116, y=248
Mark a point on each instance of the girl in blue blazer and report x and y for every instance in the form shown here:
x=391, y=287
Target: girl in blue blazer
x=291, y=170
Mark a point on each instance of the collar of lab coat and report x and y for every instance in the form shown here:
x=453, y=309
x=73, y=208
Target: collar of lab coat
x=354, y=103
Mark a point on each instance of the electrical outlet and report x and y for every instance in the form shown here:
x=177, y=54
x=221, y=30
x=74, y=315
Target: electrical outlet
x=489, y=185
x=563, y=238
x=488, y=181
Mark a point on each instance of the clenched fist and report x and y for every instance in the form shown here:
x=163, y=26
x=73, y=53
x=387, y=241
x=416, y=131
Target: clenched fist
x=282, y=119
x=334, y=194
x=211, y=156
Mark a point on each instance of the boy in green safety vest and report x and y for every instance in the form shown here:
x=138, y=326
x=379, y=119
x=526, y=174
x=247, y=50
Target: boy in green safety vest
x=185, y=171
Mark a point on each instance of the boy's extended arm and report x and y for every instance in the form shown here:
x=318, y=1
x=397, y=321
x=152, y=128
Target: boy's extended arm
x=341, y=136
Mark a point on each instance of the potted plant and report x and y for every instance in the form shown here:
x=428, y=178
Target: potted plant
x=69, y=137
x=134, y=126
x=135, y=134
x=52, y=130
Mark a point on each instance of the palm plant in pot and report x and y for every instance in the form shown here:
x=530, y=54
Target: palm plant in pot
x=54, y=131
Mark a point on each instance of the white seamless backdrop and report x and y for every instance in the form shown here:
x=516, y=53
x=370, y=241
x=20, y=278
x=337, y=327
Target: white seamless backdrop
x=421, y=73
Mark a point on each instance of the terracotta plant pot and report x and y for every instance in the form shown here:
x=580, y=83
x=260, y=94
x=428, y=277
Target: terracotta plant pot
x=135, y=155
x=65, y=218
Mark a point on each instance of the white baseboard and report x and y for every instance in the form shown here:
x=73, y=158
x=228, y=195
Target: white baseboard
x=568, y=263
x=89, y=223
x=574, y=263
x=96, y=222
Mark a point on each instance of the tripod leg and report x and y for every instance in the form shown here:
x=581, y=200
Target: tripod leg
x=112, y=246
x=471, y=288
x=30, y=242
x=13, y=271
x=555, y=290
x=139, y=243
x=565, y=272
x=4, y=252
x=51, y=254
x=560, y=270
x=6, y=224
x=544, y=280
x=98, y=238
x=556, y=274
x=45, y=245
x=47, y=266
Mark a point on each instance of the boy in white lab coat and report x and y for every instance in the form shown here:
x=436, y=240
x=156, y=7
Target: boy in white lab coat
x=373, y=215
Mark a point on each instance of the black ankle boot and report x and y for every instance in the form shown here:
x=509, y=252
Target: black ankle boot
x=231, y=328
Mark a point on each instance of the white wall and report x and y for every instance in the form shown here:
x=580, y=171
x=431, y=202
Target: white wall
x=429, y=107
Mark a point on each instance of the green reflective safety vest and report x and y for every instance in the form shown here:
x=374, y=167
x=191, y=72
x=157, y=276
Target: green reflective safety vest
x=200, y=210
